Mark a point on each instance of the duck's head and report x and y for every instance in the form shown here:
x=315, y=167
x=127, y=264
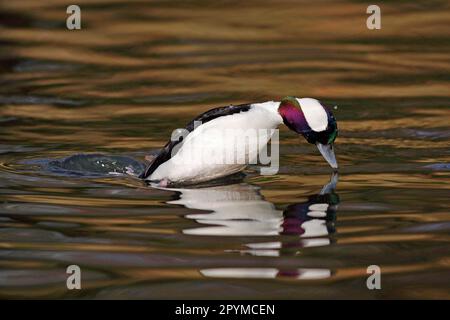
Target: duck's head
x=313, y=121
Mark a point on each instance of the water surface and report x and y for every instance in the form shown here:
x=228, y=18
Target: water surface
x=139, y=69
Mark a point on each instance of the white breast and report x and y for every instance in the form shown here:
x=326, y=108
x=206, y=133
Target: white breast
x=203, y=153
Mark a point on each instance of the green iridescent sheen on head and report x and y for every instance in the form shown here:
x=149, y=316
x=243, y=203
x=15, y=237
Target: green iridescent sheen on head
x=332, y=136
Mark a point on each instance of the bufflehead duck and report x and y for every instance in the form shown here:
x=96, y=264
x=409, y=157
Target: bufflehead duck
x=175, y=165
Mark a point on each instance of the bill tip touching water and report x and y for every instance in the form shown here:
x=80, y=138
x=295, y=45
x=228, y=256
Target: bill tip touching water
x=209, y=149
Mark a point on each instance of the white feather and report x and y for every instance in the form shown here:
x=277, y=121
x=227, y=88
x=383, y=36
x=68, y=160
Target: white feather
x=314, y=113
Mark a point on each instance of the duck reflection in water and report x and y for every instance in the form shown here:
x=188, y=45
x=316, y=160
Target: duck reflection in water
x=240, y=210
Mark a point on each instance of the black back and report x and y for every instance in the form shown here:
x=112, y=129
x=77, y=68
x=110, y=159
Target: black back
x=166, y=152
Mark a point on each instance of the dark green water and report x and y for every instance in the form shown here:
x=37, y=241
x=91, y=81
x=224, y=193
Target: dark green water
x=137, y=70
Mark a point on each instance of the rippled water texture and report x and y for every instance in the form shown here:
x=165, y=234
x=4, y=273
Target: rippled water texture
x=139, y=69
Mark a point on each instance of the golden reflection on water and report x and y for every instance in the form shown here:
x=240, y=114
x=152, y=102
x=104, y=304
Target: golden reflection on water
x=95, y=202
x=215, y=48
x=138, y=70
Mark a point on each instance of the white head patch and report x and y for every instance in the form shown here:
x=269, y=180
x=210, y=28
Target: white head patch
x=314, y=113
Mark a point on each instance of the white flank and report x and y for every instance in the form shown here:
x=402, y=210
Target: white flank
x=314, y=113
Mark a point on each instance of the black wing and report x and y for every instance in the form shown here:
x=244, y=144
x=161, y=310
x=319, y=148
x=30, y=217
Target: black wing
x=166, y=152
